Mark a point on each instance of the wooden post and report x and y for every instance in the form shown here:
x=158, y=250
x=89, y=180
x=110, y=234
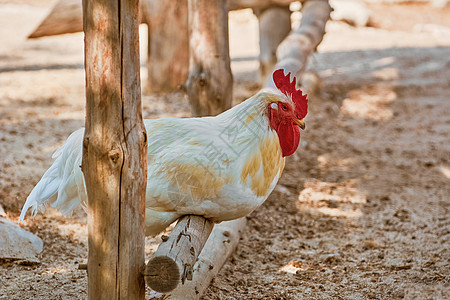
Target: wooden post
x=274, y=26
x=114, y=150
x=293, y=52
x=168, y=44
x=210, y=83
x=174, y=260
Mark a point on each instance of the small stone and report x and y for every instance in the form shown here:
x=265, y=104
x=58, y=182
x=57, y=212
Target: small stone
x=17, y=243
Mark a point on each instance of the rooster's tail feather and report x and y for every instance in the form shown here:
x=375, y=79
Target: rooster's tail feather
x=63, y=177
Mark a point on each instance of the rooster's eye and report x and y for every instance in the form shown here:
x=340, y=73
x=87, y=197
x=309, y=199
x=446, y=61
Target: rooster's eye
x=284, y=107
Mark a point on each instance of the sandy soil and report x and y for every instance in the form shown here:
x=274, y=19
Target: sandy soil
x=362, y=210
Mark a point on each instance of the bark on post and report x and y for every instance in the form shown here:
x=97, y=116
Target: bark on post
x=174, y=260
x=114, y=150
x=168, y=44
x=293, y=52
x=210, y=82
x=274, y=26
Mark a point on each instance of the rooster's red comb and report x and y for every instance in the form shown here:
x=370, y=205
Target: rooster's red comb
x=284, y=84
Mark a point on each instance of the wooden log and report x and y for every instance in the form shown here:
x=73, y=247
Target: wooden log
x=114, y=150
x=274, y=26
x=220, y=245
x=293, y=52
x=173, y=261
x=168, y=36
x=210, y=83
x=65, y=17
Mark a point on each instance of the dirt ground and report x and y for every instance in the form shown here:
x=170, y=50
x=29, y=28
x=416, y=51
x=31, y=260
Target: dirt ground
x=362, y=210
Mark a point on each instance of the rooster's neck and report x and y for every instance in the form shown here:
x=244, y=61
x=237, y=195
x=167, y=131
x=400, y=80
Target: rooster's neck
x=262, y=163
x=252, y=139
x=250, y=115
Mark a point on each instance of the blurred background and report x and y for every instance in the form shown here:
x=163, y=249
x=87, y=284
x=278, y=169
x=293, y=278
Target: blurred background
x=362, y=210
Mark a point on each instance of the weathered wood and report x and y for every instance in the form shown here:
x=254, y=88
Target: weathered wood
x=65, y=17
x=293, y=52
x=274, y=26
x=174, y=260
x=210, y=83
x=221, y=243
x=168, y=44
x=114, y=150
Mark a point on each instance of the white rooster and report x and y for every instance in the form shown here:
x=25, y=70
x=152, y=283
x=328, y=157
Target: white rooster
x=219, y=167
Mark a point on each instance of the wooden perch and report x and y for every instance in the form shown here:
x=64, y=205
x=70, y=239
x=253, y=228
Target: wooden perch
x=293, y=52
x=221, y=243
x=175, y=258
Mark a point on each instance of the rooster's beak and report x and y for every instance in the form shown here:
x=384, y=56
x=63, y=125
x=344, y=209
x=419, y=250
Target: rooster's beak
x=300, y=123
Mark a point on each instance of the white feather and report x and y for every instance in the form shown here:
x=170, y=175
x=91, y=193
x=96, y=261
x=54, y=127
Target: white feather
x=60, y=178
